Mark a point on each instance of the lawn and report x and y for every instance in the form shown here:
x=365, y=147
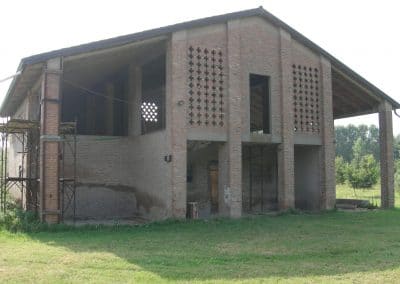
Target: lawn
x=372, y=194
x=335, y=246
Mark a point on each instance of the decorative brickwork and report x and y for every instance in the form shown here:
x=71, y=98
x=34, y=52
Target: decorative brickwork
x=206, y=87
x=306, y=99
x=149, y=111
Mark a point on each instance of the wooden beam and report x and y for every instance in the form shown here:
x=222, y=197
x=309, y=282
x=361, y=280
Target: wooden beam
x=348, y=89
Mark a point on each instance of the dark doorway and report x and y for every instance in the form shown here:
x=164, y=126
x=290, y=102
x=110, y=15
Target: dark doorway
x=213, y=186
x=259, y=178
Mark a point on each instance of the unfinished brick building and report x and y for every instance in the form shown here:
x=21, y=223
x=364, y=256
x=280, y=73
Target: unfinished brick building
x=234, y=113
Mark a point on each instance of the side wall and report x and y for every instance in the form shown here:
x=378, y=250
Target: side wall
x=120, y=177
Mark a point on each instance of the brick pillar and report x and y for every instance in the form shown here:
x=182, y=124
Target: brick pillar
x=386, y=155
x=286, y=195
x=49, y=141
x=230, y=153
x=176, y=120
x=327, y=154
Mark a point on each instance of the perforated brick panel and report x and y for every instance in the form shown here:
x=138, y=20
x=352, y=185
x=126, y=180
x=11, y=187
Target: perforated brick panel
x=149, y=112
x=206, y=87
x=306, y=99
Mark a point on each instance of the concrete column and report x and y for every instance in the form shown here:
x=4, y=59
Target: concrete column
x=286, y=194
x=176, y=102
x=327, y=157
x=135, y=98
x=386, y=154
x=230, y=153
x=49, y=141
x=109, y=114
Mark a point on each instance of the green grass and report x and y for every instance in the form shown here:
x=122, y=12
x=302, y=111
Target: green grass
x=335, y=246
x=372, y=194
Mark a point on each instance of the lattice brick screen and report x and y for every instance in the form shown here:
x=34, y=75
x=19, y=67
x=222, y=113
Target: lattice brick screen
x=306, y=99
x=206, y=87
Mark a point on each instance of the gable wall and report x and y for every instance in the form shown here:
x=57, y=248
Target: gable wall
x=260, y=54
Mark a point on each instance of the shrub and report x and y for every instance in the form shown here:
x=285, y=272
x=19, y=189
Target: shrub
x=397, y=174
x=341, y=170
x=16, y=219
x=363, y=172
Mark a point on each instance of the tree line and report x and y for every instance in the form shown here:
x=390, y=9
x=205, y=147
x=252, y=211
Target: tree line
x=357, y=155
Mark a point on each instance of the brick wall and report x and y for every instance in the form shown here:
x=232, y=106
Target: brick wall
x=121, y=177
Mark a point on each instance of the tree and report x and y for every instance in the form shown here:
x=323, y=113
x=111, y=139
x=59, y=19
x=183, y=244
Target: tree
x=396, y=146
x=363, y=172
x=341, y=167
x=345, y=137
x=397, y=174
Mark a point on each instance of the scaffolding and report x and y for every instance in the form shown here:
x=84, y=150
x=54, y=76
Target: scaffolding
x=68, y=179
x=26, y=133
x=25, y=179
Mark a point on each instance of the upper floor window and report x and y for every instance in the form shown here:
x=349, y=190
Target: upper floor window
x=260, y=117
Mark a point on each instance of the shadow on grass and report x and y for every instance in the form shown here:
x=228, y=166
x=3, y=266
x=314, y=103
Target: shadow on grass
x=300, y=245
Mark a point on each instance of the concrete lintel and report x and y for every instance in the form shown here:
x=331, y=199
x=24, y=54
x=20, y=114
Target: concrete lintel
x=206, y=136
x=54, y=64
x=262, y=138
x=306, y=139
x=50, y=138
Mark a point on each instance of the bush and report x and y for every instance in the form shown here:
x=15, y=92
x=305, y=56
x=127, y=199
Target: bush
x=16, y=219
x=363, y=172
x=397, y=174
x=341, y=170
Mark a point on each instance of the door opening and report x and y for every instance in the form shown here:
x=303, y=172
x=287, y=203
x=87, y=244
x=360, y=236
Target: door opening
x=213, y=185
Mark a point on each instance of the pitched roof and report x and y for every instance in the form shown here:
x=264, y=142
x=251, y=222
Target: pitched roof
x=127, y=39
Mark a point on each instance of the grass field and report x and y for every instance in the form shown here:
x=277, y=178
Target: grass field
x=372, y=194
x=335, y=246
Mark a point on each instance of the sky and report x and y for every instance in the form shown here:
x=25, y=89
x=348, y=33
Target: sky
x=362, y=34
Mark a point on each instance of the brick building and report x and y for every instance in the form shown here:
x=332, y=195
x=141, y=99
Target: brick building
x=232, y=112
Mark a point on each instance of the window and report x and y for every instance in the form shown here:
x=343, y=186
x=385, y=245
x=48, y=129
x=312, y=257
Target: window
x=259, y=104
x=153, y=96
